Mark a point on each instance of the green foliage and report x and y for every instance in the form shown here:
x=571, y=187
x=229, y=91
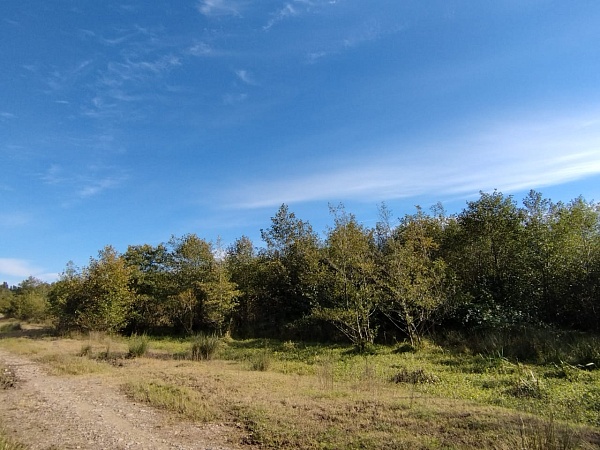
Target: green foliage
x=5, y=299
x=151, y=280
x=287, y=281
x=413, y=278
x=98, y=298
x=29, y=300
x=220, y=297
x=495, y=266
x=351, y=279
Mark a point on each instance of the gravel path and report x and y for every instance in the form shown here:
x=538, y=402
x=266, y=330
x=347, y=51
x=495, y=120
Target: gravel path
x=86, y=412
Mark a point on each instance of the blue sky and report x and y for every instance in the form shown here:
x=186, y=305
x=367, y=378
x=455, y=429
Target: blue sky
x=125, y=122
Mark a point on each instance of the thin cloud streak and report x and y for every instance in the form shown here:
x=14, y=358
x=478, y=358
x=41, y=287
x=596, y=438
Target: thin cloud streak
x=19, y=269
x=509, y=157
x=14, y=220
x=212, y=8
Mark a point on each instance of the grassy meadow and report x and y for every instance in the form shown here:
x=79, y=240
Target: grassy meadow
x=458, y=392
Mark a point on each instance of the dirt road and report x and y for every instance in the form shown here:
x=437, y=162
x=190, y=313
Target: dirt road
x=49, y=412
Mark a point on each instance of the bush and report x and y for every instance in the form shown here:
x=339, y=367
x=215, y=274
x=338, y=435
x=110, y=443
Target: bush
x=204, y=347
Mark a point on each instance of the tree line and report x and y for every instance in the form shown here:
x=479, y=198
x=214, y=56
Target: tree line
x=495, y=264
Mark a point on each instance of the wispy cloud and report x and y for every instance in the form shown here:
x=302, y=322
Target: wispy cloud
x=287, y=11
x=60, y=80
x=19, y=269
x=245, y=76
x=200, y=49
x=14, y=219
x=95, y=187
x=92, y=182
x=509, y=156
x=232, y=99
x=220, y=7
x=7, y=116
x=54, y=175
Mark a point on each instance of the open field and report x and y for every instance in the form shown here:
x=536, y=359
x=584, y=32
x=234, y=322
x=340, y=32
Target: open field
x=268, y=394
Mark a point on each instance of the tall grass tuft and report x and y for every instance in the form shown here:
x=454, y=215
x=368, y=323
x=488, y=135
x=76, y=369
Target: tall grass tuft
x=204, y=347
x=138, y=346
x=261, y=361
x=547, y=435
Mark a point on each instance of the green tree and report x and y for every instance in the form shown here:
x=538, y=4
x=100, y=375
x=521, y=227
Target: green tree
x=30, y=300
x=152, y=284
x=290, y=271
x=243, y=267
x=351, y=279
x=537, y=262
x=576, y=234
x=5, y=298
x=413, y=278
x=99, y=298
x=191, y=262
x=485, y=254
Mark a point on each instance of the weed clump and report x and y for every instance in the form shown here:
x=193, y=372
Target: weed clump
x=204, y=347
x=8, y=379
x=86, y=350
x=8, y=327
x=528, y=387
x=418, y=376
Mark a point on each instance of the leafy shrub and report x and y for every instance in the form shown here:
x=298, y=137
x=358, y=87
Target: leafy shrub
x=204, y=347
x=405, y=347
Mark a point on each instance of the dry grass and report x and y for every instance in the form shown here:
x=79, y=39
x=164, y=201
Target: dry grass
x=179, y=399
x=314, y=397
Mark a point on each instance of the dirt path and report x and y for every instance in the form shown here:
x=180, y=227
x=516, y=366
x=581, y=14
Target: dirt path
x=86, y=412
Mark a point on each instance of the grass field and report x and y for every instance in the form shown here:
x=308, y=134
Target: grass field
x=313, y=396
